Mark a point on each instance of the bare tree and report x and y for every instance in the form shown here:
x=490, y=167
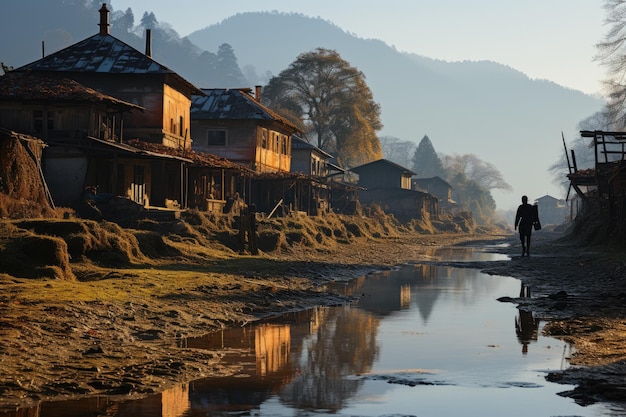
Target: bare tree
x=612, y=54
x=484, y=174
x=397, y=150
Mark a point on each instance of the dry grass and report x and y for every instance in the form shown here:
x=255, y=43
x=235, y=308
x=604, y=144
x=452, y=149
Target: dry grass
x=87, y=250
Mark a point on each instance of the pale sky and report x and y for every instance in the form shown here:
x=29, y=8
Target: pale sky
x=545, y=39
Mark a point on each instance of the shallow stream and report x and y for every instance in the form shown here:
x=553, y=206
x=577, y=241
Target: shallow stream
x=423, y=340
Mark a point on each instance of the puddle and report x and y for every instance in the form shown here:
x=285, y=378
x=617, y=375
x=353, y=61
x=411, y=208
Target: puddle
x=423, y=340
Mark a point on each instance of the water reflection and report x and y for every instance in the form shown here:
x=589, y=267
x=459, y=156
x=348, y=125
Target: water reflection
x=526, y=328
x=422, y=340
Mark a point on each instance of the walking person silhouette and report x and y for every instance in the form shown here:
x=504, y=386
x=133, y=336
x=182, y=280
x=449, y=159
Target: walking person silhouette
x=525, y=217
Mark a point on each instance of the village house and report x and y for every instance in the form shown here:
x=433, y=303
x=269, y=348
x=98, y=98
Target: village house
x=131, y=80
x=308, y=158
x=329, y=190
x=232, y=123
x=439, y=188
x=77, y=125
x=552, y=210
x=112, y=67
x=388, y=185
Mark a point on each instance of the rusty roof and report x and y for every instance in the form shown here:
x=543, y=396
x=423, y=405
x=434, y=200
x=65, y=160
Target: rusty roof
x=24, y=86
x=199, y=158
x=235, y=104
x=103, y=54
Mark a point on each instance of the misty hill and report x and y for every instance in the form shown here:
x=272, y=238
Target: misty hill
x=484, y=108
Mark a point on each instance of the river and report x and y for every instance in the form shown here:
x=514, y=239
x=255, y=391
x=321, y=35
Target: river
x=422, y=340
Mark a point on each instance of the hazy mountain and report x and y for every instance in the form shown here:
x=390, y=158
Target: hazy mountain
x=483, y=108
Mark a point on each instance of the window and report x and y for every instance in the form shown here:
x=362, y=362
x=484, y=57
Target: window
x=216, y=137
x=40, y=117
x=285, y=143
x=264, y=139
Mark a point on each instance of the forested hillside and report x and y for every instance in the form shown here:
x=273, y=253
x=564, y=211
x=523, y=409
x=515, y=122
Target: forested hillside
x=484, y=108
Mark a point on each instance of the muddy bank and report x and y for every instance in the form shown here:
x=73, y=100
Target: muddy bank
x=101, y=310
x=113, y=325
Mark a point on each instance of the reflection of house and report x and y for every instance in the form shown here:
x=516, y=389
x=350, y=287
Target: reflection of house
x=92, y=152
x=389, y=185
x=552, y=210
x=437, y=187
x=232, y=123
x=268, y=343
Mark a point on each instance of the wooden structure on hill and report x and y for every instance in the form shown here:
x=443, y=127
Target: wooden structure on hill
x=604, y=185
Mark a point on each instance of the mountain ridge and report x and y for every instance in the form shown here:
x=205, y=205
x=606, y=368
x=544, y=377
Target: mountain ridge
x=480, y=107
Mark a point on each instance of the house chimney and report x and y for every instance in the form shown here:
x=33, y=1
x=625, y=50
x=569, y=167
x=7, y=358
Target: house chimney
x=149, y=43
x=104, y=20
x=257, y=93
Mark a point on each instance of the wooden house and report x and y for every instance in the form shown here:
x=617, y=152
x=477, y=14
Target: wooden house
x=437, y=187
x=308, y=158
x=90, y=144
x=83, y=149
x=552, y=210
x=388, y=185
x=232, y=123
x=383, y=174
x=112, y=67
x=213, y=182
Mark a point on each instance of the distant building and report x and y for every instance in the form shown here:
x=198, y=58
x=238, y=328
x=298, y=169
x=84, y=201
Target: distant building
x=383, y=174
x=439, y=188
x=388, y=185
x=552, y=210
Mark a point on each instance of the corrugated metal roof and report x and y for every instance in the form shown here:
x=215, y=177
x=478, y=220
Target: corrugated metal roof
x=103, y=54
x=234, y=104
x=26, y=86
